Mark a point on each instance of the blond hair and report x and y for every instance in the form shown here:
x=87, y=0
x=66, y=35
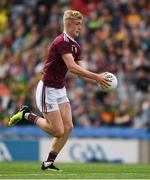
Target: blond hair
x=72, y=15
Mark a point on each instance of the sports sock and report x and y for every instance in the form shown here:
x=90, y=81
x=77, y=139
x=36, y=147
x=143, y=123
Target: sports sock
x=52, y=156
x=31, y=117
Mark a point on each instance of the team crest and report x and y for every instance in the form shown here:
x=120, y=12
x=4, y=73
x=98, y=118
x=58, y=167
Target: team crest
x=74, y=48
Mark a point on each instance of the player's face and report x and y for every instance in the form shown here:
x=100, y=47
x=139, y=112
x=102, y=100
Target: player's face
x=75, y=27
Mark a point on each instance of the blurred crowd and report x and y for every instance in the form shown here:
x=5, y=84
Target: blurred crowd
x=115, y=38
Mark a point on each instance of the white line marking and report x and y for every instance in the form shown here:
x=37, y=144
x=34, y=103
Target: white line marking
x=37, y=174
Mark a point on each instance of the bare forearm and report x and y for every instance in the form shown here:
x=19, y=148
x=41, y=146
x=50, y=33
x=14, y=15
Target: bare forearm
x=85, y=74
x=89, y=80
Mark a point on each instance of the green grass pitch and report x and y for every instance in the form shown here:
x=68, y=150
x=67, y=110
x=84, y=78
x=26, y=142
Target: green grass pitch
x=31, y=170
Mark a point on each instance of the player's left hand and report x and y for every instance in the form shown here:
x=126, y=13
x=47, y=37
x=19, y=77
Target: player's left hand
x=101, y=79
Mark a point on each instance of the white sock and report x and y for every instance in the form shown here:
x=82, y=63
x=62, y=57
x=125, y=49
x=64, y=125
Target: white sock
x=47, y=163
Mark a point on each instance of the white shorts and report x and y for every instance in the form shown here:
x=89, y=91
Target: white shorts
x=48, y=99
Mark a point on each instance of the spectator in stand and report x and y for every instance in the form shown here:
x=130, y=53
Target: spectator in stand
x=146, y=110
x=139, y=118
x=124, y=114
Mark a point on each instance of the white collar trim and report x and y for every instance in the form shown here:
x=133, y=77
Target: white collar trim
x=69, y=37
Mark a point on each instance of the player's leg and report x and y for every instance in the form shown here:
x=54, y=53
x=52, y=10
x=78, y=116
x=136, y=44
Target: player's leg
x=66, y=115
x=51, y=123
x=59, y=142
x=50, y=128
x=65, y=111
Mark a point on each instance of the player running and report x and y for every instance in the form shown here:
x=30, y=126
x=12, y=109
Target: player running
x=51, y=97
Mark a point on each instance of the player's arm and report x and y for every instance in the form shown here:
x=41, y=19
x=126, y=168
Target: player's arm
x=85, y=78
x=76, y=69
x=89, y=80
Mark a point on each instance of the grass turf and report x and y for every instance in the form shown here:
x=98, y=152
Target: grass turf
x=31, y=170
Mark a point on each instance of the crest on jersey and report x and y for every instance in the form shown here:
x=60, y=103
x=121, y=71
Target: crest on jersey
x=74, y=48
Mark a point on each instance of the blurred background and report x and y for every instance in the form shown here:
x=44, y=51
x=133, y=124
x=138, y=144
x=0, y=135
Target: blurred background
x=111, y=127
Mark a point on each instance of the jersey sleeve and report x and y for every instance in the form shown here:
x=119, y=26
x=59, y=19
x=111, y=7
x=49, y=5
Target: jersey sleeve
x=63, y=47
x=78, y=56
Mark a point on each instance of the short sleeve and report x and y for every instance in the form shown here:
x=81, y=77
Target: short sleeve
x=63, y=47
x=78, y=56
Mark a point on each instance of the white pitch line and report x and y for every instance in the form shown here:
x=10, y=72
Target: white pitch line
x=25, y=175
x=37, y=174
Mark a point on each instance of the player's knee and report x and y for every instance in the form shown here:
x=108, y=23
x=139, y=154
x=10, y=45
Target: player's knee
x=68, y=128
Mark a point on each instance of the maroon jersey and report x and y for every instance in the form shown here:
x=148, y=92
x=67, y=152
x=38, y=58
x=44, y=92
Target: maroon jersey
x=55, y=69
